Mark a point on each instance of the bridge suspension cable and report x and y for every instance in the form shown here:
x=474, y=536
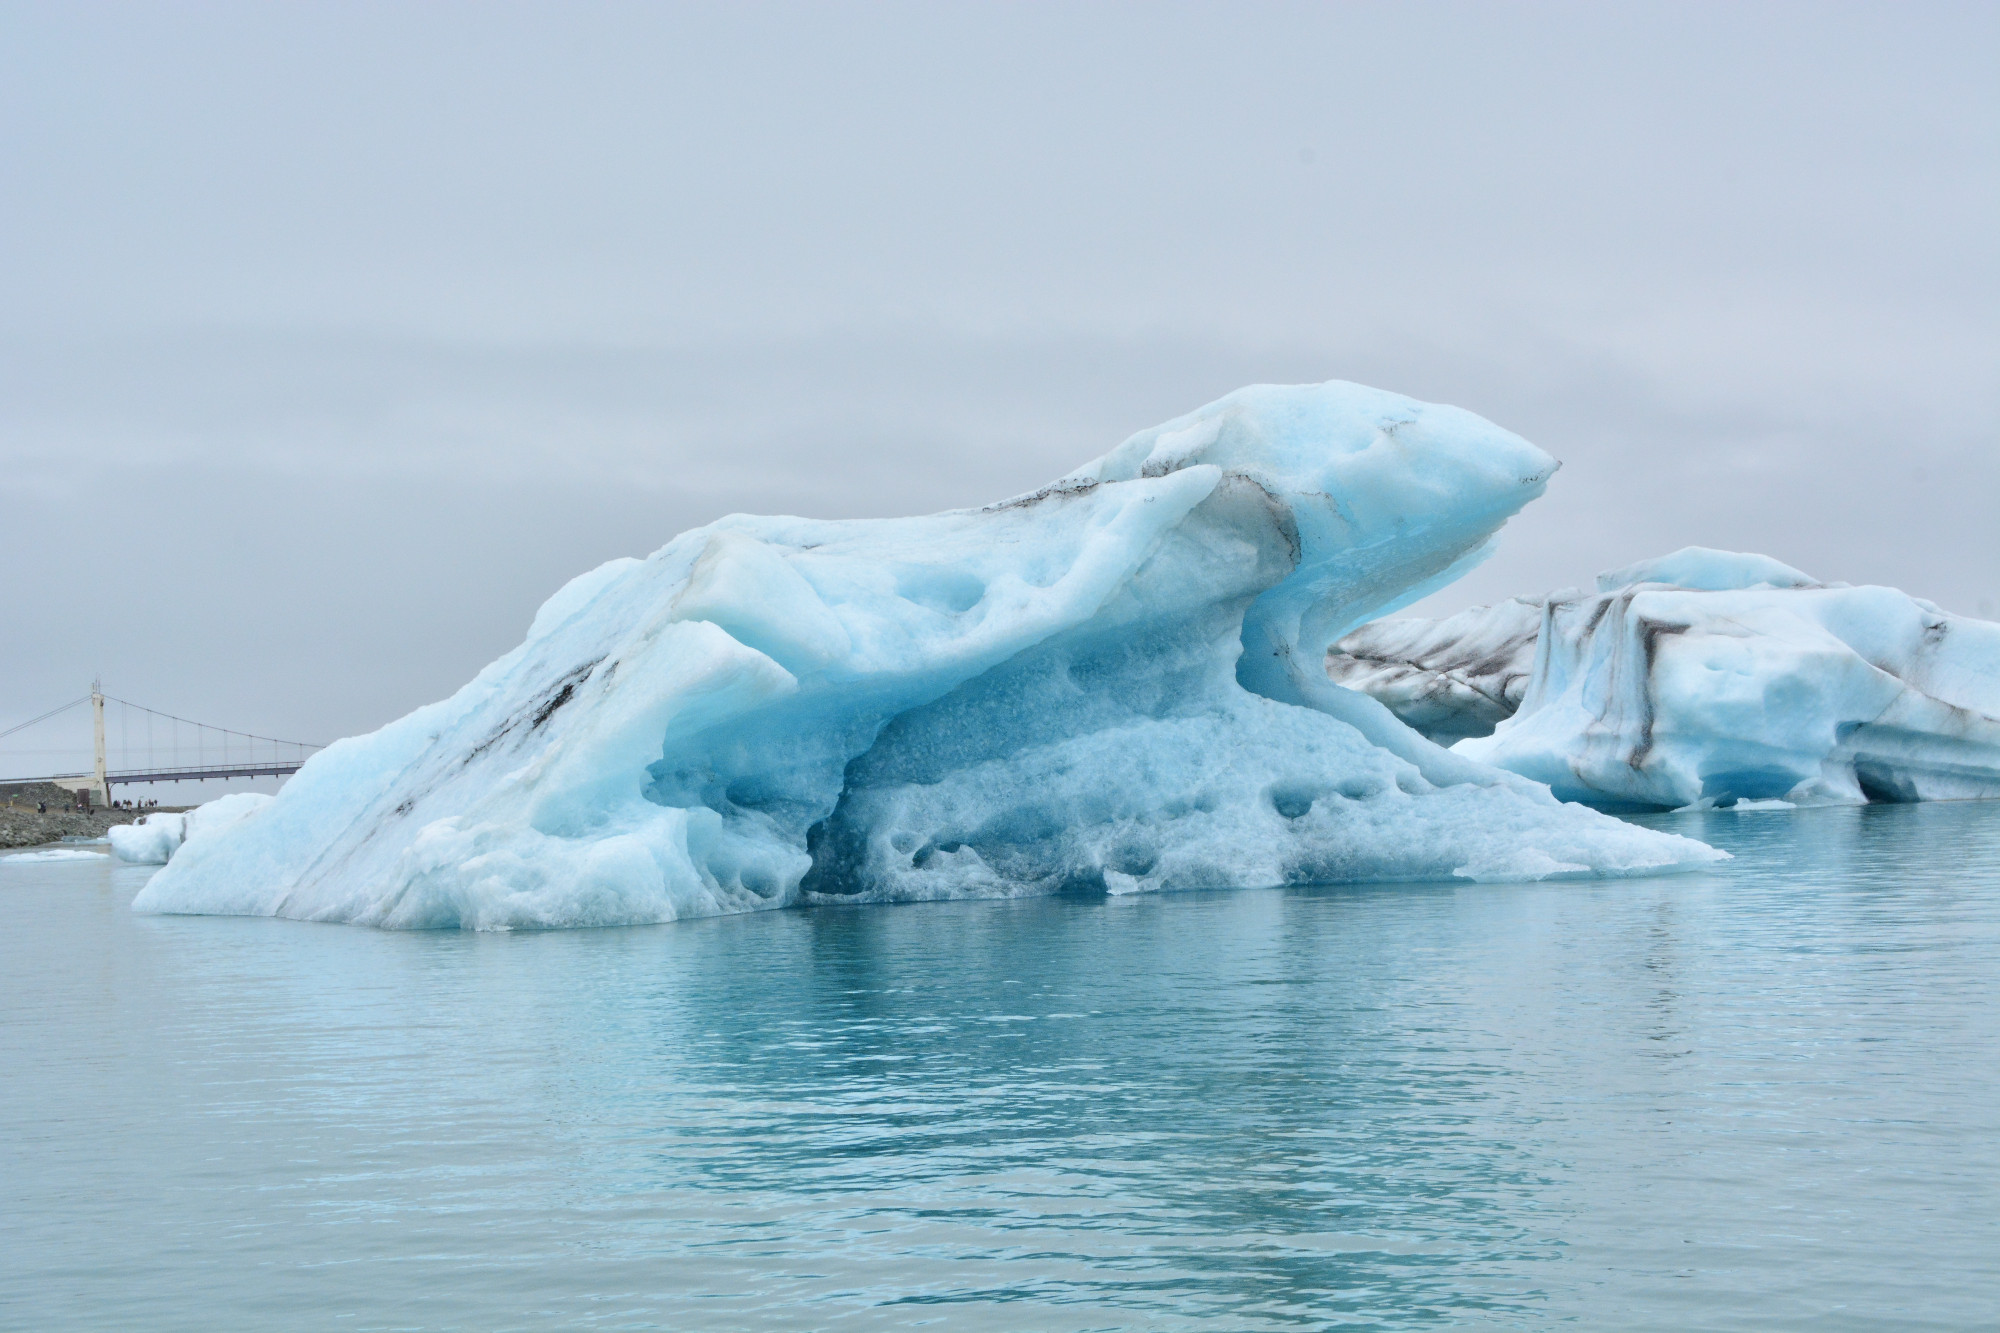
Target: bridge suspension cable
x=216, y=752
x=204, y=726
x=23, y=726
x=249, y=735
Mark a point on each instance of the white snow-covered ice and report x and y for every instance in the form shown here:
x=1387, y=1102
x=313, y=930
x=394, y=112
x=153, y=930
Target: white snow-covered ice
x=1703, y=678
x=1113, y=684
x=153, y=839
x=150, y=839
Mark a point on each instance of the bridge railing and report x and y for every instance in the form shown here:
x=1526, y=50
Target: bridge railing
x=197, y=774
x=115, y=777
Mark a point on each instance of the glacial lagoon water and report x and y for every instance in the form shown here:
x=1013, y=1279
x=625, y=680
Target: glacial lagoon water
x=1766, y=1097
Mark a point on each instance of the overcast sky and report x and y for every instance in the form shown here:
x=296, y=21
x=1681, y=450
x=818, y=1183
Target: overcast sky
x=334, y=337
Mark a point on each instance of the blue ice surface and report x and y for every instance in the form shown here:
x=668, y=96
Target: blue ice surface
x=1112, y=684
x=1703, y=678
x=1720, y=690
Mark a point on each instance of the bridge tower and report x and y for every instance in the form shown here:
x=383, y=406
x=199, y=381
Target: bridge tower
x=97, y=724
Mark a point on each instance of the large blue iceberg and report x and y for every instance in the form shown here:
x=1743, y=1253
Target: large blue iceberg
x=1113, y=684
x=1702, y=678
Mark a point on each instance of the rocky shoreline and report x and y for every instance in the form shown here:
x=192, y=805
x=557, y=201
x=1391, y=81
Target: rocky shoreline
x=22, y=826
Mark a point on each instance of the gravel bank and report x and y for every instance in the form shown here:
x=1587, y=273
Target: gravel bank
x=20, y=826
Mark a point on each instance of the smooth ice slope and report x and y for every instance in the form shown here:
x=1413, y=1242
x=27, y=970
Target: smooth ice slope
x=1706, y=676
x=1111, y=684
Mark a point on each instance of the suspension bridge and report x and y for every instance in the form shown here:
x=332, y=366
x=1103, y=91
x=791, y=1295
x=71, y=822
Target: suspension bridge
x=153, y=746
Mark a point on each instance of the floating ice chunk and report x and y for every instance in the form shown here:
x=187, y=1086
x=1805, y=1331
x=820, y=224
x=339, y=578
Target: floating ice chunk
x=153, y=839
x=150, y=839
x=1110, y=685
x=52, y=854
x=1772, y=804
x=1751, y=684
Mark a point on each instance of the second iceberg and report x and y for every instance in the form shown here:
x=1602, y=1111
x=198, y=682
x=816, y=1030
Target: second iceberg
x=1703, y=677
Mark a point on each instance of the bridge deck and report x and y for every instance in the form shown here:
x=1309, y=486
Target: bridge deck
x=199, y=774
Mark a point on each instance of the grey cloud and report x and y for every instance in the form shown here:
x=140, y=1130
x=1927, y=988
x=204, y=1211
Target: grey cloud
x=333, y=338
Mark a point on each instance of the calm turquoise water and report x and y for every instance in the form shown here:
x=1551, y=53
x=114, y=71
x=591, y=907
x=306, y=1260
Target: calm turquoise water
x=1762, y=1098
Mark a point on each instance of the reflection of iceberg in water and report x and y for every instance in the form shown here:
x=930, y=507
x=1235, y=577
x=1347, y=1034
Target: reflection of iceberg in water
x=1703, y=676
x=1113, y=684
